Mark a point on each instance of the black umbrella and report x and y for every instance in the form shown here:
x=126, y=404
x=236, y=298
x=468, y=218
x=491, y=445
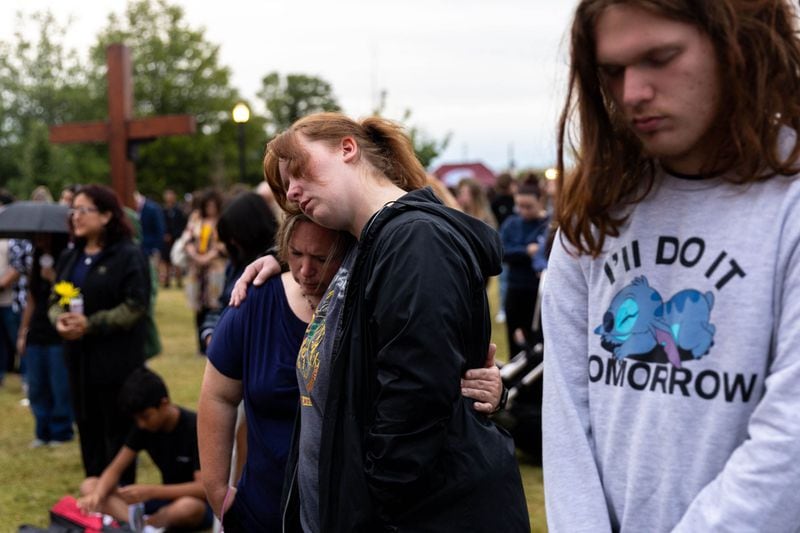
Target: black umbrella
x=22, y=220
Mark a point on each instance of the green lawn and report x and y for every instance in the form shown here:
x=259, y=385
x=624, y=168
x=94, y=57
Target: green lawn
x=32, y=480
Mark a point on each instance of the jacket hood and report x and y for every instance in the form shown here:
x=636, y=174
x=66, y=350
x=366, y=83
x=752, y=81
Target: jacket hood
x=482, y=238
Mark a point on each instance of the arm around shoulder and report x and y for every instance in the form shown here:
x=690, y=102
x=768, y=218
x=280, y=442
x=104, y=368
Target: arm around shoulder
x=257, y=273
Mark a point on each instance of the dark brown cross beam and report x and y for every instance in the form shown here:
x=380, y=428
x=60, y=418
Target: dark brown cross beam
x=122, y=129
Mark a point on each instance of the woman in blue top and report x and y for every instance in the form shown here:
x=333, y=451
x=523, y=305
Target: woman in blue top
x=252, y=356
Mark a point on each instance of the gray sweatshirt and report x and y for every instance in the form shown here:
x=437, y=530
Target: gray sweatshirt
x=672, y=366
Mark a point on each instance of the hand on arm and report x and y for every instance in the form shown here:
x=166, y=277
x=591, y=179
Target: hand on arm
x=257, y=273
x=484, y=385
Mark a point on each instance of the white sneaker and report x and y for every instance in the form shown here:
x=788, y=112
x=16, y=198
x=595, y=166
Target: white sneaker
x=36, y=443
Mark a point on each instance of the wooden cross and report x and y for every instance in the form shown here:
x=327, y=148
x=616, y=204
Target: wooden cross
x=122, y=129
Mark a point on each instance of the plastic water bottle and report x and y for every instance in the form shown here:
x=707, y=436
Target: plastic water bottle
x=76, y=304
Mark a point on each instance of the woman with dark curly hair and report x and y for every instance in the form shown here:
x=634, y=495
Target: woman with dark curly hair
x=205, y=275
x=100, y=300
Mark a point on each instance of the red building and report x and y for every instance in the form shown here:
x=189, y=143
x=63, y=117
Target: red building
x=452, y=173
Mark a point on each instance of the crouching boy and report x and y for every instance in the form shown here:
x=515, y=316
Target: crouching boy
x=169, y=434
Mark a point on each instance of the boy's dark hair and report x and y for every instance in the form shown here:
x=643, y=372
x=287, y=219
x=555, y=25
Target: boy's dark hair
x=530, y=189
x=142, y=389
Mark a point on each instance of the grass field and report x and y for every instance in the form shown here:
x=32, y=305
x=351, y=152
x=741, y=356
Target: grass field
x=32, y=480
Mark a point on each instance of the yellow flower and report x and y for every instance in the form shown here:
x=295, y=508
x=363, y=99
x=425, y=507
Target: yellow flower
x=67, y=291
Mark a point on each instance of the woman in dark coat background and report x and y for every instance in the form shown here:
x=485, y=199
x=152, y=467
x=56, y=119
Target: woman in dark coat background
x=105, y=333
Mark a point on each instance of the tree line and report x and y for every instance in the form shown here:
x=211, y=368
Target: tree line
x=176, y=70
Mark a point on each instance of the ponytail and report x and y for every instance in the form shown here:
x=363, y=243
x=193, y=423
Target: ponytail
x=382, y=143
x=391, y=152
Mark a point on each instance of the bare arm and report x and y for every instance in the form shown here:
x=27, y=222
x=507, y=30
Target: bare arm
x=9, y=278
x=140, y=492
x=256, y=272
x=108, y=481
x=216, y=419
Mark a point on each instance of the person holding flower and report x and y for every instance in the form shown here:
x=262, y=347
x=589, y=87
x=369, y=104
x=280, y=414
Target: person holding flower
x=98, y=307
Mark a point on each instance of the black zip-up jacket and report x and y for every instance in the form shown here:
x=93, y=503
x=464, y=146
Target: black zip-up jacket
x=402, y=449
x=116, y=295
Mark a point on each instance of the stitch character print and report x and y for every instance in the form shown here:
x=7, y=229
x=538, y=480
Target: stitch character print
x=639, y=324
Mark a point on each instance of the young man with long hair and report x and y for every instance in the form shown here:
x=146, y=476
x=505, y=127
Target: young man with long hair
x=671, y=301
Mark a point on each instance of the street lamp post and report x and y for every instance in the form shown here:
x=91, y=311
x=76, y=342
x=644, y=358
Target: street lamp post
x=241, y=114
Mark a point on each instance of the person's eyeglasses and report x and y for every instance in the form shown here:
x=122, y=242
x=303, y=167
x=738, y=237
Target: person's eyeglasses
x=82, y=211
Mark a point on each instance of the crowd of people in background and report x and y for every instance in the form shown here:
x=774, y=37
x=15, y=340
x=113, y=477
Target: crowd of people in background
x=343, y=308
x=203, y=255
x=201, y=245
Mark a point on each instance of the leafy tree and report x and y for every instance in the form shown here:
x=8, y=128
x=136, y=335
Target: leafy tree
x=176, y=70
x=294, y=96
x=426, y=148
x=42, y=83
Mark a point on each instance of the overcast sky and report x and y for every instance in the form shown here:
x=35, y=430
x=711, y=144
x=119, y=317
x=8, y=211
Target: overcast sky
x=491, y=73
